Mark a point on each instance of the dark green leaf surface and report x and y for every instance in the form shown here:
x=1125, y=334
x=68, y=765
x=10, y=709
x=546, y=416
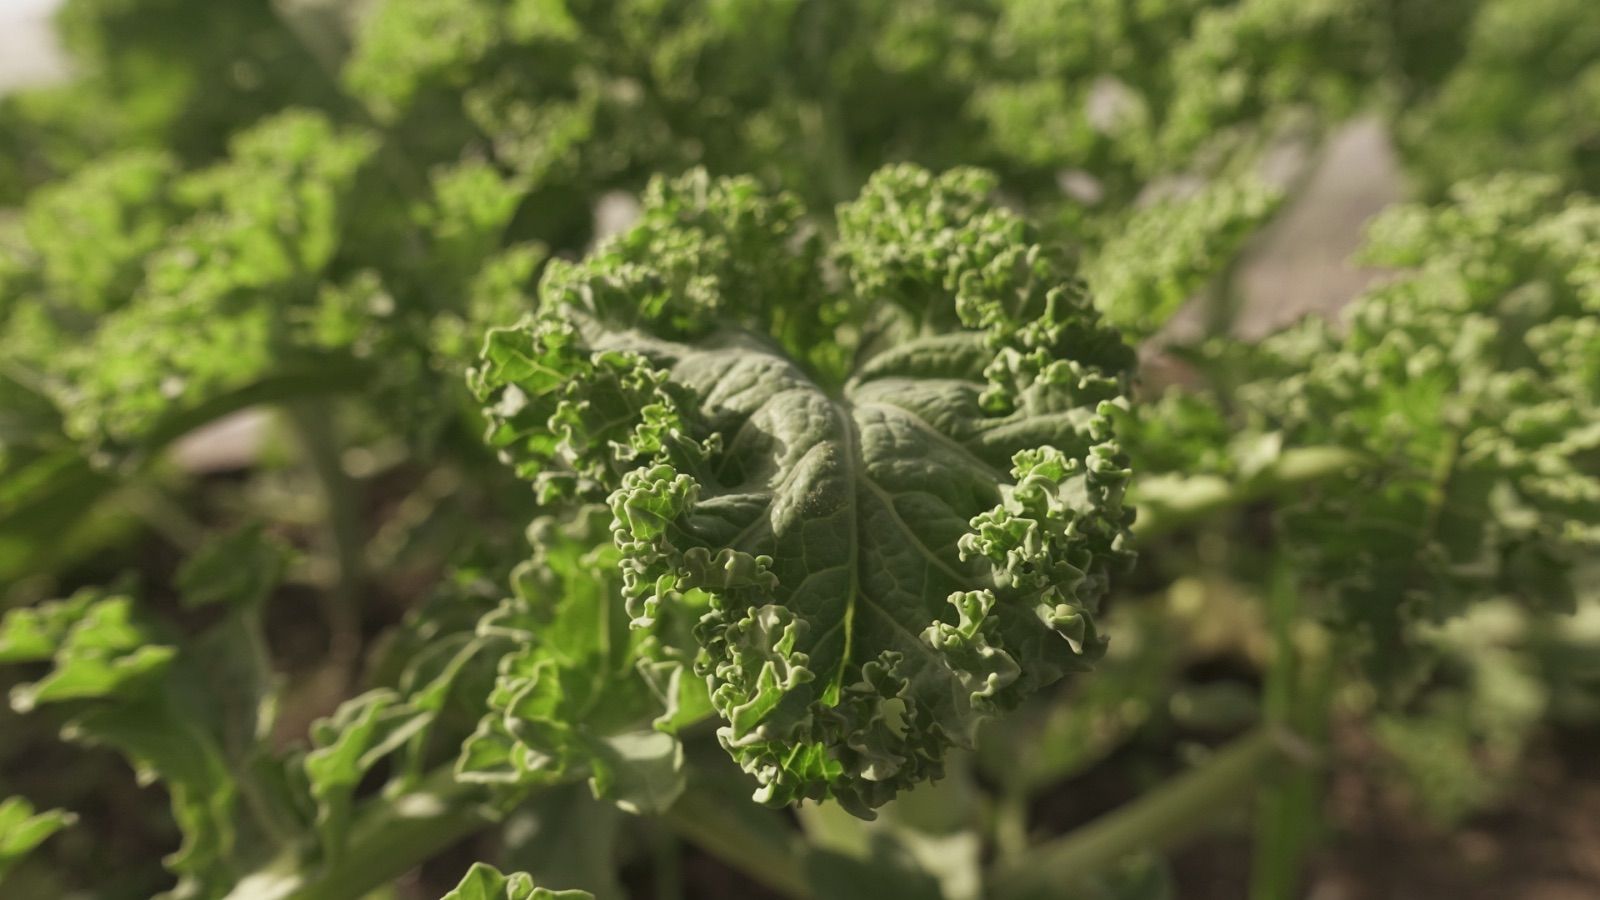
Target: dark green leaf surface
x=871, y=566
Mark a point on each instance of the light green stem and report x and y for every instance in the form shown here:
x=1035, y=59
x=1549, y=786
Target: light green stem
x=1222, y=298
x=1296, y=697
x=742, y=835
x=1011, y=823
x=319, y=378
x=1160, y=819
x=313, y=420
x=170, y=520
x=1168, y=503
x=390, y=838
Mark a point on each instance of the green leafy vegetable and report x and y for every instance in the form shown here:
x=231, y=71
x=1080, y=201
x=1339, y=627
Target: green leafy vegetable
x=1463, y=398
x=827, y=467
x=1500, y=108
x=871, y=560
x=568, y=699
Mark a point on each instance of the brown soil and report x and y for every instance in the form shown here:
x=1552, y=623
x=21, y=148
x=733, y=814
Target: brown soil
x=1542, y=844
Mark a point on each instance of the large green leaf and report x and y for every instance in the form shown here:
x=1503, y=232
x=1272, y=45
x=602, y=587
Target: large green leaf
x=872, y=555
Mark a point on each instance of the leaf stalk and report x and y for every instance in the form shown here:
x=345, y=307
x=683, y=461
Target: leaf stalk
x=1160, y=819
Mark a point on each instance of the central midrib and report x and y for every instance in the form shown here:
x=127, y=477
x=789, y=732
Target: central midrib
x=847, y=431
x=856, y=481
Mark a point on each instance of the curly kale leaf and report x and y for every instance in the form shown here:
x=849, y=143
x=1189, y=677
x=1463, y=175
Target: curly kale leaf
x=134, y=292
x=569, y=698
x=1162, y=254
x=1521, y=96
x=883, y=497
x=1463, y=394
x=210, y=304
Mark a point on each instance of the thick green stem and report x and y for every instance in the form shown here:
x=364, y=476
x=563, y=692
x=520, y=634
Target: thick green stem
x=742, y=835
x=1279, y=840
x=1158, y=820
x=666, y=860
x=151, y=504
x=318, y=378
x=394, y=835
x=1166, y=503
x=313, y=420
x=321, y=27
x=1011, y=823
x=1222, y=299
x=67, y=487
x=390, y=838
x=1296, y=697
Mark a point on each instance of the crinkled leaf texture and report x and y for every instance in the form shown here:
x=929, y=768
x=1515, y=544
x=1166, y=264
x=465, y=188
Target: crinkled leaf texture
x=870, y=503
x=112, y=664
x=568, y=699
x=1466, y=384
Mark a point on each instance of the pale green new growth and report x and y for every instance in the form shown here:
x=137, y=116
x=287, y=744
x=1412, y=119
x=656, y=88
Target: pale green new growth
x=22, y=829
x=570, y=698
x=485, y=882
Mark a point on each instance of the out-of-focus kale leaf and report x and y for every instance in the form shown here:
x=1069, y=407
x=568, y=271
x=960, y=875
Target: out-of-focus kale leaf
x=1464, y=391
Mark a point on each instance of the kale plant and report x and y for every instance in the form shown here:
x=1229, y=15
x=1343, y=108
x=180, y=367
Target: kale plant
x=873, y=543
x=650, y=408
